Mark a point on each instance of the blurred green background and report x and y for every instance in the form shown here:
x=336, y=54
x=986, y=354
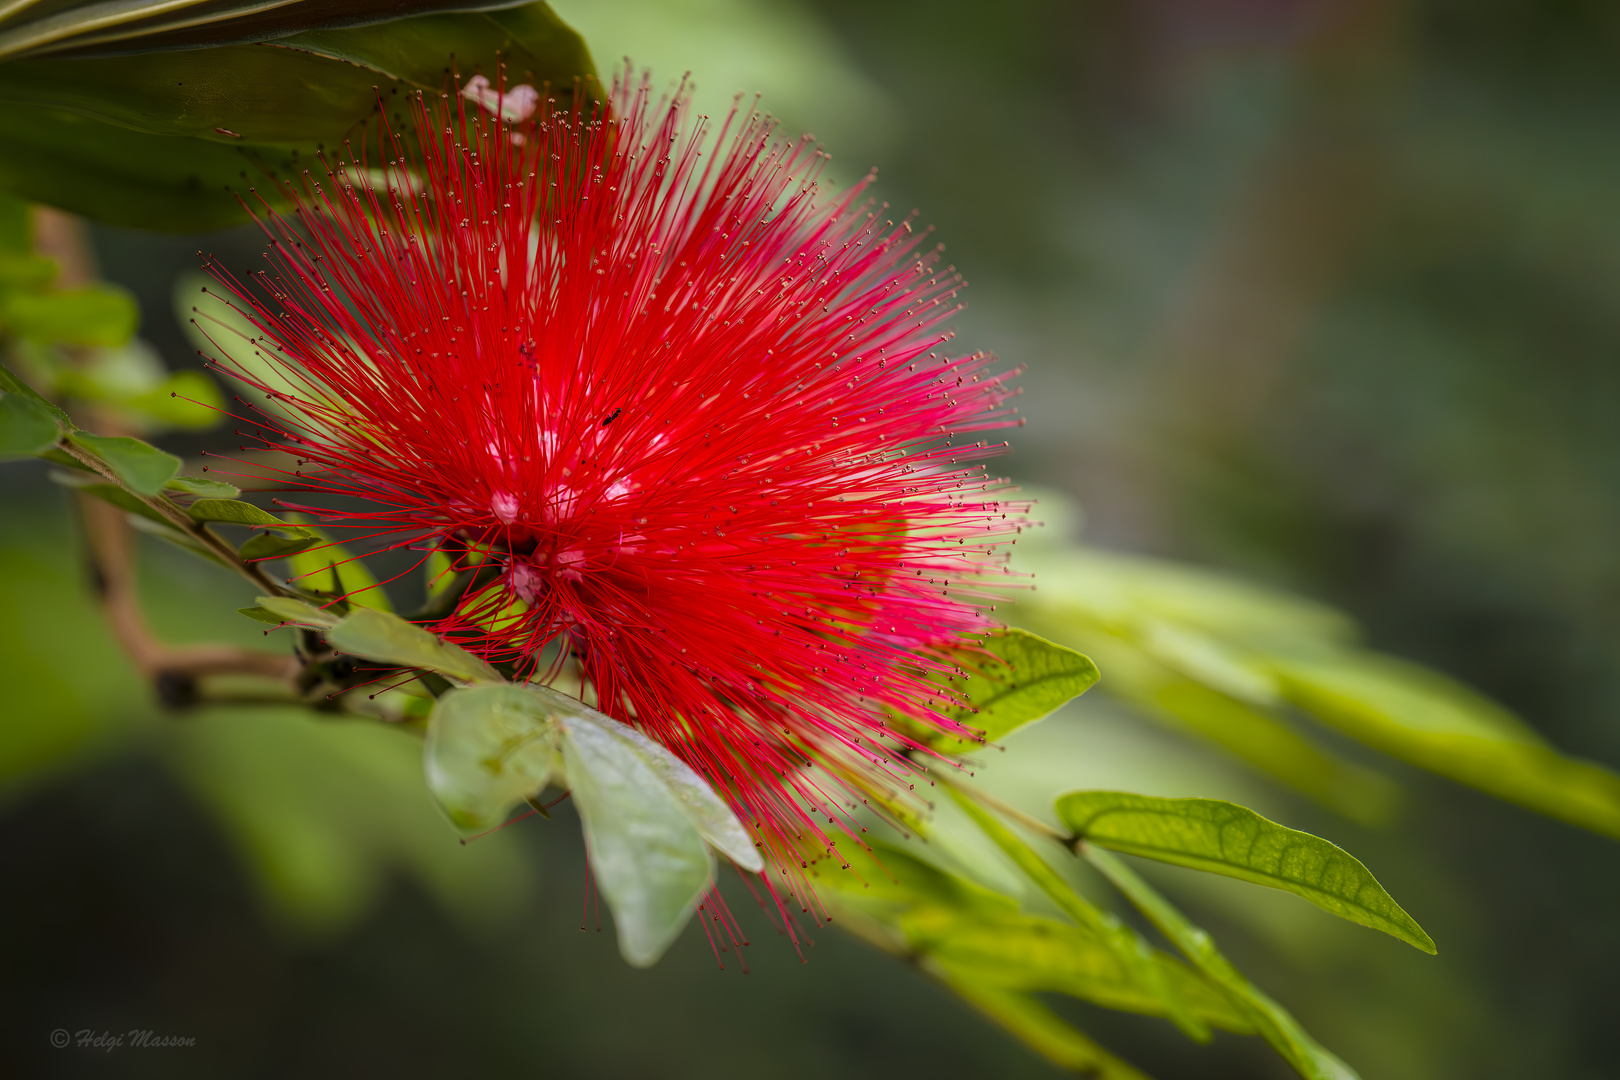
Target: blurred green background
x=1319, y=293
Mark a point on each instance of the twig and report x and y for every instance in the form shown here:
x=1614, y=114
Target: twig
x=172, y=670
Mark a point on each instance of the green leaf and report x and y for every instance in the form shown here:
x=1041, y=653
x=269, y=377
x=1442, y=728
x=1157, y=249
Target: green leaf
x=1024, y=679
x=646, y=854
x=1189, y=649
x=27, y=428
x=1031, y=953
x=95, y=25
x=203, y=487
x=1274, y=1023
x=1224, y=838
x=163, y=139
x=92, y=484
x=714, y=820
x=140, y=465
x=263, y=614
x=1133, y=953
x=13, y=385
x=1029, y=1020
x=1424, y=718
x=95, y=315
x=377, y=635
x=298, y=612
x=267, y=545
x=488, y=748
x=234, y=512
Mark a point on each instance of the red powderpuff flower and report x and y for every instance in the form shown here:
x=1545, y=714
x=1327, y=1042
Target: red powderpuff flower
x=693, y=428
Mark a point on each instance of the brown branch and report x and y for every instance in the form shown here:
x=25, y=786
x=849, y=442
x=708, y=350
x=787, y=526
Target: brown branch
x=173, y=670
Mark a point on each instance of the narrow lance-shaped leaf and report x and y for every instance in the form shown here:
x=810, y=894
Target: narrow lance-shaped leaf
x=233, y=512
x=294, y=611
x=1225, y=838
x=377, y=635
x=1273, y=1022
x=488, y=748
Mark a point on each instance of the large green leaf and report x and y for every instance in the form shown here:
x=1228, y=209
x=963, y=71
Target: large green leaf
x=171, y=139
x=488, y=748
x=377, y=635
x=1419, y=716
x=1273, y=1022
x=1224, y=838
x=646, y=855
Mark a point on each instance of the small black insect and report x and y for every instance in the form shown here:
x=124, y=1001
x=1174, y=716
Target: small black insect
x=612, y=418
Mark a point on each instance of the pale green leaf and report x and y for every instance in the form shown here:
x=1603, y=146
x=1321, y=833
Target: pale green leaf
x=377, y=635
x=647, y=856
x=298, y=612
x=140, y=465
x=1274, y=1023
x=27, y=428
x=1225, y=838
x=714, y=820
x=488, y=748
x=1426, y=719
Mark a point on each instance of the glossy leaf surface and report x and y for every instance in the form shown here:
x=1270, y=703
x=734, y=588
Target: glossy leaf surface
x=1224, y=838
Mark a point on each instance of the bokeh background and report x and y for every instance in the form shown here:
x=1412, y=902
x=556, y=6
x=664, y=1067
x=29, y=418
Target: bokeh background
x=1322, y=293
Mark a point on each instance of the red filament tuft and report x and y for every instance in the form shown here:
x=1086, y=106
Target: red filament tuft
x=687, y=431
